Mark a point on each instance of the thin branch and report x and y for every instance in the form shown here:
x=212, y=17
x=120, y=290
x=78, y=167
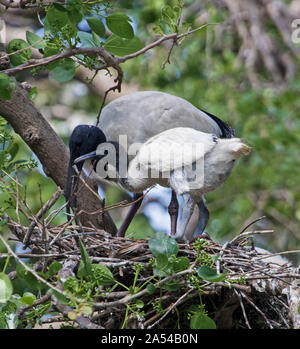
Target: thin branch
x=173, y=36
x=34, y=63
x=41, y=212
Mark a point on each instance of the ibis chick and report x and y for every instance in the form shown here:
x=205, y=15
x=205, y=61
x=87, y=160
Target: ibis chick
x=140, y=116
x=191, y=162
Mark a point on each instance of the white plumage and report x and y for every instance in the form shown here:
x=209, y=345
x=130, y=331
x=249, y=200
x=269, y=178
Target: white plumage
x=142, y=115
x=166, y=159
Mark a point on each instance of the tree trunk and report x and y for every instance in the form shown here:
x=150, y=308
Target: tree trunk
x=53, y=154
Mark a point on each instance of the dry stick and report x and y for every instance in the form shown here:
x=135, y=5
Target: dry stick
x=130, y=297
x=123, y=203
x=248, y=234
x=54, y=213
x=255, y=221
x=16, y=199
x=277, y=254
x=44, y=209
x=17, y=191
x=84, y=183
x=59, y=233
x=12, y=253
x=243, y=308
x=82, y=321
x=44, y=299
x=172, y=306
x=118, y=80
x=257, y=309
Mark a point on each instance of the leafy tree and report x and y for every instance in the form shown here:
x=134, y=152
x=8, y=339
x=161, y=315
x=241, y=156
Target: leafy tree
x=237, y=60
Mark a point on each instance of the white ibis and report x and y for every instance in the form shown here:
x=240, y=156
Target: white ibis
x=140, y=116
x=191, y=162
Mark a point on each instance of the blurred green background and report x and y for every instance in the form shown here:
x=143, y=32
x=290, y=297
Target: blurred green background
x=244, y=70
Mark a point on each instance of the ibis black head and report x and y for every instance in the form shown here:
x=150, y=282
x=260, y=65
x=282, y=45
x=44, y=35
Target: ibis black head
x=84, y=139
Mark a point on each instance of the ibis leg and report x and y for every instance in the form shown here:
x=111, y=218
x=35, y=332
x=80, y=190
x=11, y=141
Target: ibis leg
x=187, y=210
x=203, y=218
x=173, y=212
x=129, y=217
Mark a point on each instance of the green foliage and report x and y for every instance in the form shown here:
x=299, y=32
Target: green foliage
x=22, y=51
x=209, y=274
x=10, y=165
x=121, y=47
x=162, y=244
x=6, y=288
x=34, y=40
x=208, y=73
x=61, y=33
x=119, y=24
x=96, y=25
x=200, y=321
x=7, y=85
x=64, y=70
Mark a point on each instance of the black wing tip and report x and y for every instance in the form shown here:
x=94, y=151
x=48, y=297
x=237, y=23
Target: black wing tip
x=226, y=130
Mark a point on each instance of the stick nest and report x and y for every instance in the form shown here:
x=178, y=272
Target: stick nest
x=260, y=290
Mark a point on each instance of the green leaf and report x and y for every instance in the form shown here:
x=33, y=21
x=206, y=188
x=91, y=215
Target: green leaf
x=59, y=7
x=64, y=70
x=122, y=47
x=102, y=274
x=151, y=288
x=33, y=93
x=172, y=286
x=96, y=39
x=56, y=18
x=28, y=298
x=21, y=57
x=6, y=288
x=7, y=85
x=118, y=23
x=210, y=274
x=96, y=25
x=86, y=309
x=85, y=259
x=201, y=321
x=86, y=39
x=139, y=304
x=162, y=261
x=75, y=14
x=35, y=40
x=29, y=278
x=13, y=150
x=167, y=11
x=54, y=268
x=60, y=297
x=163, y=244
x=180, y=264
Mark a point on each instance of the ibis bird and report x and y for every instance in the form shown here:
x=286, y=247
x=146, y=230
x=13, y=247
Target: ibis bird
x=140, y=116
x=191, y=162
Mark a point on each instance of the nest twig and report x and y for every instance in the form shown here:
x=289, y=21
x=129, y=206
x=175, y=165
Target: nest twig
x=258, y=292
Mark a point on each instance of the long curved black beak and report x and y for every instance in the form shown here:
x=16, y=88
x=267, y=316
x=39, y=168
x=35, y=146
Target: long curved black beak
x=84, y=157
